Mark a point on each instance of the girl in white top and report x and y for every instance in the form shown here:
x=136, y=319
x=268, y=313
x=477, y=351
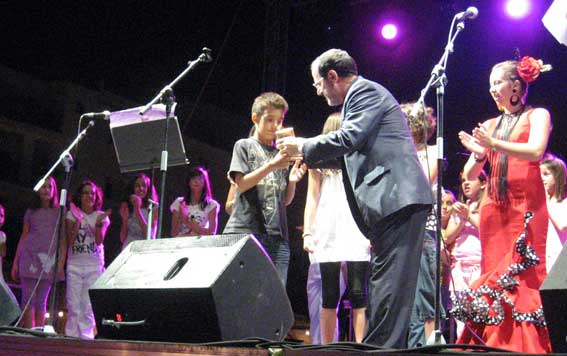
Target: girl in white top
x=553, y=175
x=196, y=213
x=134, y=210
x=331, y=236
x=86, y=227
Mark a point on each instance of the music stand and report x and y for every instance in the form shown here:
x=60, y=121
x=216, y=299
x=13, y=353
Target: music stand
x=138, y=139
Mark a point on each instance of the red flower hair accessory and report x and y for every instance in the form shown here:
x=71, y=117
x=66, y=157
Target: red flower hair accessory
x=529, y=68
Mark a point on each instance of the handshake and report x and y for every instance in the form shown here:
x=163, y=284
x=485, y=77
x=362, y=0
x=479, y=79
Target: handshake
x=288, y=144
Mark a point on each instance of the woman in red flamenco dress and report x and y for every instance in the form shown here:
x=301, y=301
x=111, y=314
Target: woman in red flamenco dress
x=503, y=307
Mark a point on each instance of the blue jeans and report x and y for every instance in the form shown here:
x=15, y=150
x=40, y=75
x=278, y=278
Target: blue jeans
x=424, y=305
x=278, y=250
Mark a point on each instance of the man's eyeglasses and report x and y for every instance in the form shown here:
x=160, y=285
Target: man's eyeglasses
x=318, y=83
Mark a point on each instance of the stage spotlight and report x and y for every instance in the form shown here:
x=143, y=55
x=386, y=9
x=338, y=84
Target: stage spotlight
x=517, y=9
x=389, y=32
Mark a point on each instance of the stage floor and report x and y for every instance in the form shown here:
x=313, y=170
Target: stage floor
x=37, y=344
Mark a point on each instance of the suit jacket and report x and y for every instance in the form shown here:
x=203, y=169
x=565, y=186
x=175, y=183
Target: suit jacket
x=382, y=173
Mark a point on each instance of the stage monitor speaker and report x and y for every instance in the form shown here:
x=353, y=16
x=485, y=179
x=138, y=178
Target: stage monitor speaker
x=192, y=289
x=9, y=309
x=553, y=294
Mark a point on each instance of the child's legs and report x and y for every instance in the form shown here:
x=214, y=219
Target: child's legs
x=278, y=250
x=86, y=321
x=330, y=280
x=34, y=315
x=313, y=289
x=74, y=295
x=423, y=311
x=357, y=284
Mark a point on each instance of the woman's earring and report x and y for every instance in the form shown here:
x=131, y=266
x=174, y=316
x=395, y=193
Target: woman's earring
x=515, y=98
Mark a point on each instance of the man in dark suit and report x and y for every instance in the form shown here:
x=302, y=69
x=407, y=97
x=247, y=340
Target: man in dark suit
x=387, y=191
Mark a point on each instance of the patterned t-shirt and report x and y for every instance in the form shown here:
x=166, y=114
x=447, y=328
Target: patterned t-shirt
x=261, y=209
x=196, y=213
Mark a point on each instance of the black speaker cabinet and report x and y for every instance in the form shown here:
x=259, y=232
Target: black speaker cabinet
x=9, y=309
x=553, y=294
x=192, y=289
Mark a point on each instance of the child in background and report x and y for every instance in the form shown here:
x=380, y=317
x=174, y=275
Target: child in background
x=2, y=240
x=553, y=175
x=331, y=237
x=86, y=227
x=264, y=183
x=462, y=236
x=134, y=210
x=422, y=323
x=35, y=254
x=447, y=201
x=197, y=212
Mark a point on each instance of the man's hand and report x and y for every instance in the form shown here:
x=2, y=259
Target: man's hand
x=291, y=147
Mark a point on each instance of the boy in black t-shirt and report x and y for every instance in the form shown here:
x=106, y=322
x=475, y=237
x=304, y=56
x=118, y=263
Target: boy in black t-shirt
x=265, y=184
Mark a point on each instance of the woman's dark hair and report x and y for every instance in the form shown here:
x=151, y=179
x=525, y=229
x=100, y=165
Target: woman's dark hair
x=206, y=194
x=151, y=191
x=99, y=195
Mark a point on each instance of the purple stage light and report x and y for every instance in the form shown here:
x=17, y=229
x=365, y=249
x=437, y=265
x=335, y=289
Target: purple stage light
x=517, y=8
x=389, y=31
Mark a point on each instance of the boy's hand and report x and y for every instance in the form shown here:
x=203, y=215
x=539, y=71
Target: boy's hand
x=297, y=171
x=280, y=161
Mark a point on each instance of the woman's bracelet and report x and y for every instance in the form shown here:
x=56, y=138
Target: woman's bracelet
x=98, y=225
x=479, y=159
x=306, y=234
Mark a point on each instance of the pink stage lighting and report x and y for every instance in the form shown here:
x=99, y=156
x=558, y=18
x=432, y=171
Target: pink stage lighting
x=517, y=8
x=389, y=31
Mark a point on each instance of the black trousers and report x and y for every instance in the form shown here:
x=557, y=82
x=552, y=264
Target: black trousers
x=396, y=251
x=357, y=277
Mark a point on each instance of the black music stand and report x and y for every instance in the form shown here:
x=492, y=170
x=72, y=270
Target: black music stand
x=138, y=142
x=138, y=139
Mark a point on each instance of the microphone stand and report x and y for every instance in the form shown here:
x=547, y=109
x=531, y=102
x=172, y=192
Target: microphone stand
x=166, y=96
x=67, y=160
x=151, y=205
x=438, y=80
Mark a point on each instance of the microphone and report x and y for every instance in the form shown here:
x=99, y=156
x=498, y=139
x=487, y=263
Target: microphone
x=470, y=13
x=207, y=52
x=105, y=115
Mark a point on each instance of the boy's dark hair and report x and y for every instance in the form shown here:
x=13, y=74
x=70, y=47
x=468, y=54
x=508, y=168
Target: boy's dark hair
x=269, y=100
